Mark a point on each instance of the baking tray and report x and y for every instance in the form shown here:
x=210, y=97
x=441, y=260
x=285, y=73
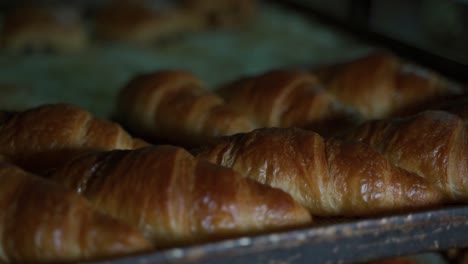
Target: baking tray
x=347, y=242
x=92, y=79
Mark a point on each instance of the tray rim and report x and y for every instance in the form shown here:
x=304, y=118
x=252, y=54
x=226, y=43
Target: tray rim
x=449, y=220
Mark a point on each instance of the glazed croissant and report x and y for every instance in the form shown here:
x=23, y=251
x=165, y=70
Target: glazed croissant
x=433, y=144
x=380, y=85
x=176, y=199
x=173, y=106
x=44, y=137
x=285, y=98
x=328, y=176
x=41, y=221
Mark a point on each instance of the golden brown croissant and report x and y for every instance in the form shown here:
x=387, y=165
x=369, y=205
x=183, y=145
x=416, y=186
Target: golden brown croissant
x=44, y=137
x=173, y=106
x=328, y=176
x=286, y=98
x=41, y=221
x=175, y=199
x=379, y=85
x=433, y=144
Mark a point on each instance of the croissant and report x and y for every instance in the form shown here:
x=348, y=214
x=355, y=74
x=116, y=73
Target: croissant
x=433, y=144
x=33, y=28
x=173, y=106
x=138, y=22
x=44, y=137
x=285, y=98
x=41, y=221
x=328, y=176
x=176, y=199
x=380, y=85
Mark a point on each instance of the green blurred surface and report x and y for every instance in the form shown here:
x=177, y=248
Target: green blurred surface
x=91, y=79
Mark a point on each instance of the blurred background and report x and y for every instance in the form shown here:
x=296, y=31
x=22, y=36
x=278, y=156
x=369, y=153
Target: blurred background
x=231, y=42
x=437, y=26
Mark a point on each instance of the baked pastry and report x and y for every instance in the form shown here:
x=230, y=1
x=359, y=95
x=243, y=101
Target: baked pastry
x=38, y=29
x=44, y=137
x=286, y=98
x=328, y=176
x=139, y=23
x=42, y=222
x=175, y=107
x=380, y=85
x=223, y=13
x=433, y=144
x=176, y=199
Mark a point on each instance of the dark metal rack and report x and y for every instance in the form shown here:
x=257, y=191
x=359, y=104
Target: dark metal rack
x=355, y=241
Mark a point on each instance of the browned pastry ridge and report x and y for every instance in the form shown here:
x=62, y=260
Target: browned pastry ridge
x=174, y=107
x=433, y=144
x=44, y=137
x=176, y=199
x=380, y=85
x=137, y=22
x=286, y=98
x=43, y=29
x=42, y=222
x=328, y=176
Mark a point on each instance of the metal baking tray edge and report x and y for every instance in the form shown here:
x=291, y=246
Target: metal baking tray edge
x=355, y=241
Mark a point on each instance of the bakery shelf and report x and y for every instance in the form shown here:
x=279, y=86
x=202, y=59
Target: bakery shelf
x=91, y=79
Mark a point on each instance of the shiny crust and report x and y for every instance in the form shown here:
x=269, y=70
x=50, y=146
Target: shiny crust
x=44, y=137
x=329, y=177
x=42, y=222
x=379, y=85
x=174, y=106
x=285, y=98
x=433, y=144
x=42, y=29
x=175, y=199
